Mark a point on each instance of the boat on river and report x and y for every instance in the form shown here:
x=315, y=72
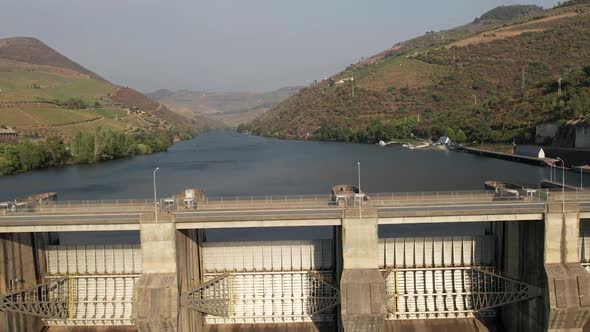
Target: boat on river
x=408, y=146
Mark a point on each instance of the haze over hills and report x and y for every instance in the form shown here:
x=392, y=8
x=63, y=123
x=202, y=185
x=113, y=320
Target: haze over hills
x=493, y=79
x=225, y=108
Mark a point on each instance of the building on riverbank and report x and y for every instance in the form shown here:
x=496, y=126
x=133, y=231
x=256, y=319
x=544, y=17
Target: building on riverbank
x=8, y=134
x=530, y=151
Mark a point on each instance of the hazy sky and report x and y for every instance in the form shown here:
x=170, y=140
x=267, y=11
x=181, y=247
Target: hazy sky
x=229, y=45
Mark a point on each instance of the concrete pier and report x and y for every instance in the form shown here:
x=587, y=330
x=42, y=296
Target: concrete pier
x=363, y=306
x=156, y=293
x=20, y=268
x=190, y=275
x=568, y=284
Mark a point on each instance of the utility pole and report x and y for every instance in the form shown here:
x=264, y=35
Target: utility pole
x=523, y=78
x=352, y=83
x=559, y=86
x=474, y=99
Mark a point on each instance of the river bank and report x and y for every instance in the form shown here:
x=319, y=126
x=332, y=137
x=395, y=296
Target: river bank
x=84, y=148
x=225, y=163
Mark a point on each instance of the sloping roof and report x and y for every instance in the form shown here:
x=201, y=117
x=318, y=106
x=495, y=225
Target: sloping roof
x=528, y=150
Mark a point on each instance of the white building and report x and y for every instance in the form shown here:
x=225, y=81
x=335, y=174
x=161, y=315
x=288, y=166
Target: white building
x=344, y=80
x=530, y=151
x=443, y=140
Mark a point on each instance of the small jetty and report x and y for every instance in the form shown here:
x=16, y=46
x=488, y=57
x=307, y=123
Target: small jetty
x=509, y=156
x=29, y=201
x=505, y=189
x=548, y=184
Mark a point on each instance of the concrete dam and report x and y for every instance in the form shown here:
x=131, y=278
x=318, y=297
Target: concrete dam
x=445, y=261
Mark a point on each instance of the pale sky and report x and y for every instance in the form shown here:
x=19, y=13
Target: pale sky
x=229, y=45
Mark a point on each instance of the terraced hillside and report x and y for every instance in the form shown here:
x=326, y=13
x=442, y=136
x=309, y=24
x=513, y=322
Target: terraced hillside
x=492, y=79
x=64, y=113
x=45, y=93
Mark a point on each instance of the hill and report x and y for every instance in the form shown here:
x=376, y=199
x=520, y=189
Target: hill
x=46, y=96
x=225, y=108
x=491, y=78
x=43, y=92
x=504, y=13
x=33, y=51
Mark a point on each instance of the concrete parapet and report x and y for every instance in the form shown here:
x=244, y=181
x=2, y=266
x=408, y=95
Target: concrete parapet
x=156, y=293
x=362, y=297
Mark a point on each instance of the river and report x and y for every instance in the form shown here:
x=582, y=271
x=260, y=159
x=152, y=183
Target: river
x=225, y=163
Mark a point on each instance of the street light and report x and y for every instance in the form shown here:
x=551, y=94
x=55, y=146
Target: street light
x=581, y=176
x=358, y=165
x=155, y=195
x=562, y=184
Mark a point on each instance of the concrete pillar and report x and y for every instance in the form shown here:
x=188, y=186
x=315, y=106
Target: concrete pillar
x=156, y=293
x=568, y=283
x=362, y=288
x=519, y=255
x=19, y=269
x=190, y=275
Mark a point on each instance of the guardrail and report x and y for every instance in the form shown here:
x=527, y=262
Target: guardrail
x=294, y=201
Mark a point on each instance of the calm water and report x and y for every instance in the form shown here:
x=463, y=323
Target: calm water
x=226, y=163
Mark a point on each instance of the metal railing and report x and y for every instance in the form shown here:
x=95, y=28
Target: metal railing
x=295, y=201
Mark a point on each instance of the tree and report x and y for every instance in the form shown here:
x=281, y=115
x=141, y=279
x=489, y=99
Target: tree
x=460, y=136
x=31, y=156
x=57, y=152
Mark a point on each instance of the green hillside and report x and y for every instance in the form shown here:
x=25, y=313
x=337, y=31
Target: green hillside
x=469, y=78
x=65, y=107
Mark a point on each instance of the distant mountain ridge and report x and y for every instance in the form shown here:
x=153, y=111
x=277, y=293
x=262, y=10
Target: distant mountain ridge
x=229, y=108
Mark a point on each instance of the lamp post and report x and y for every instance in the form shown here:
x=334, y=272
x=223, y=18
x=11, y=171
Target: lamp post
x=581, y=177
x=155, y=195
x=562, y=185
x=358, y=168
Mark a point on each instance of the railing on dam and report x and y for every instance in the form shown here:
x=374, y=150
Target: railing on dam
x=292, y=202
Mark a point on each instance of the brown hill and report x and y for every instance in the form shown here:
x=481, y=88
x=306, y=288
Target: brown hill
x=44, y=93
x=495, y=82
x=34, y=51
x=134, y=99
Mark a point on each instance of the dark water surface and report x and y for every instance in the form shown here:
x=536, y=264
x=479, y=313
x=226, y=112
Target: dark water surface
x=225, y=163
